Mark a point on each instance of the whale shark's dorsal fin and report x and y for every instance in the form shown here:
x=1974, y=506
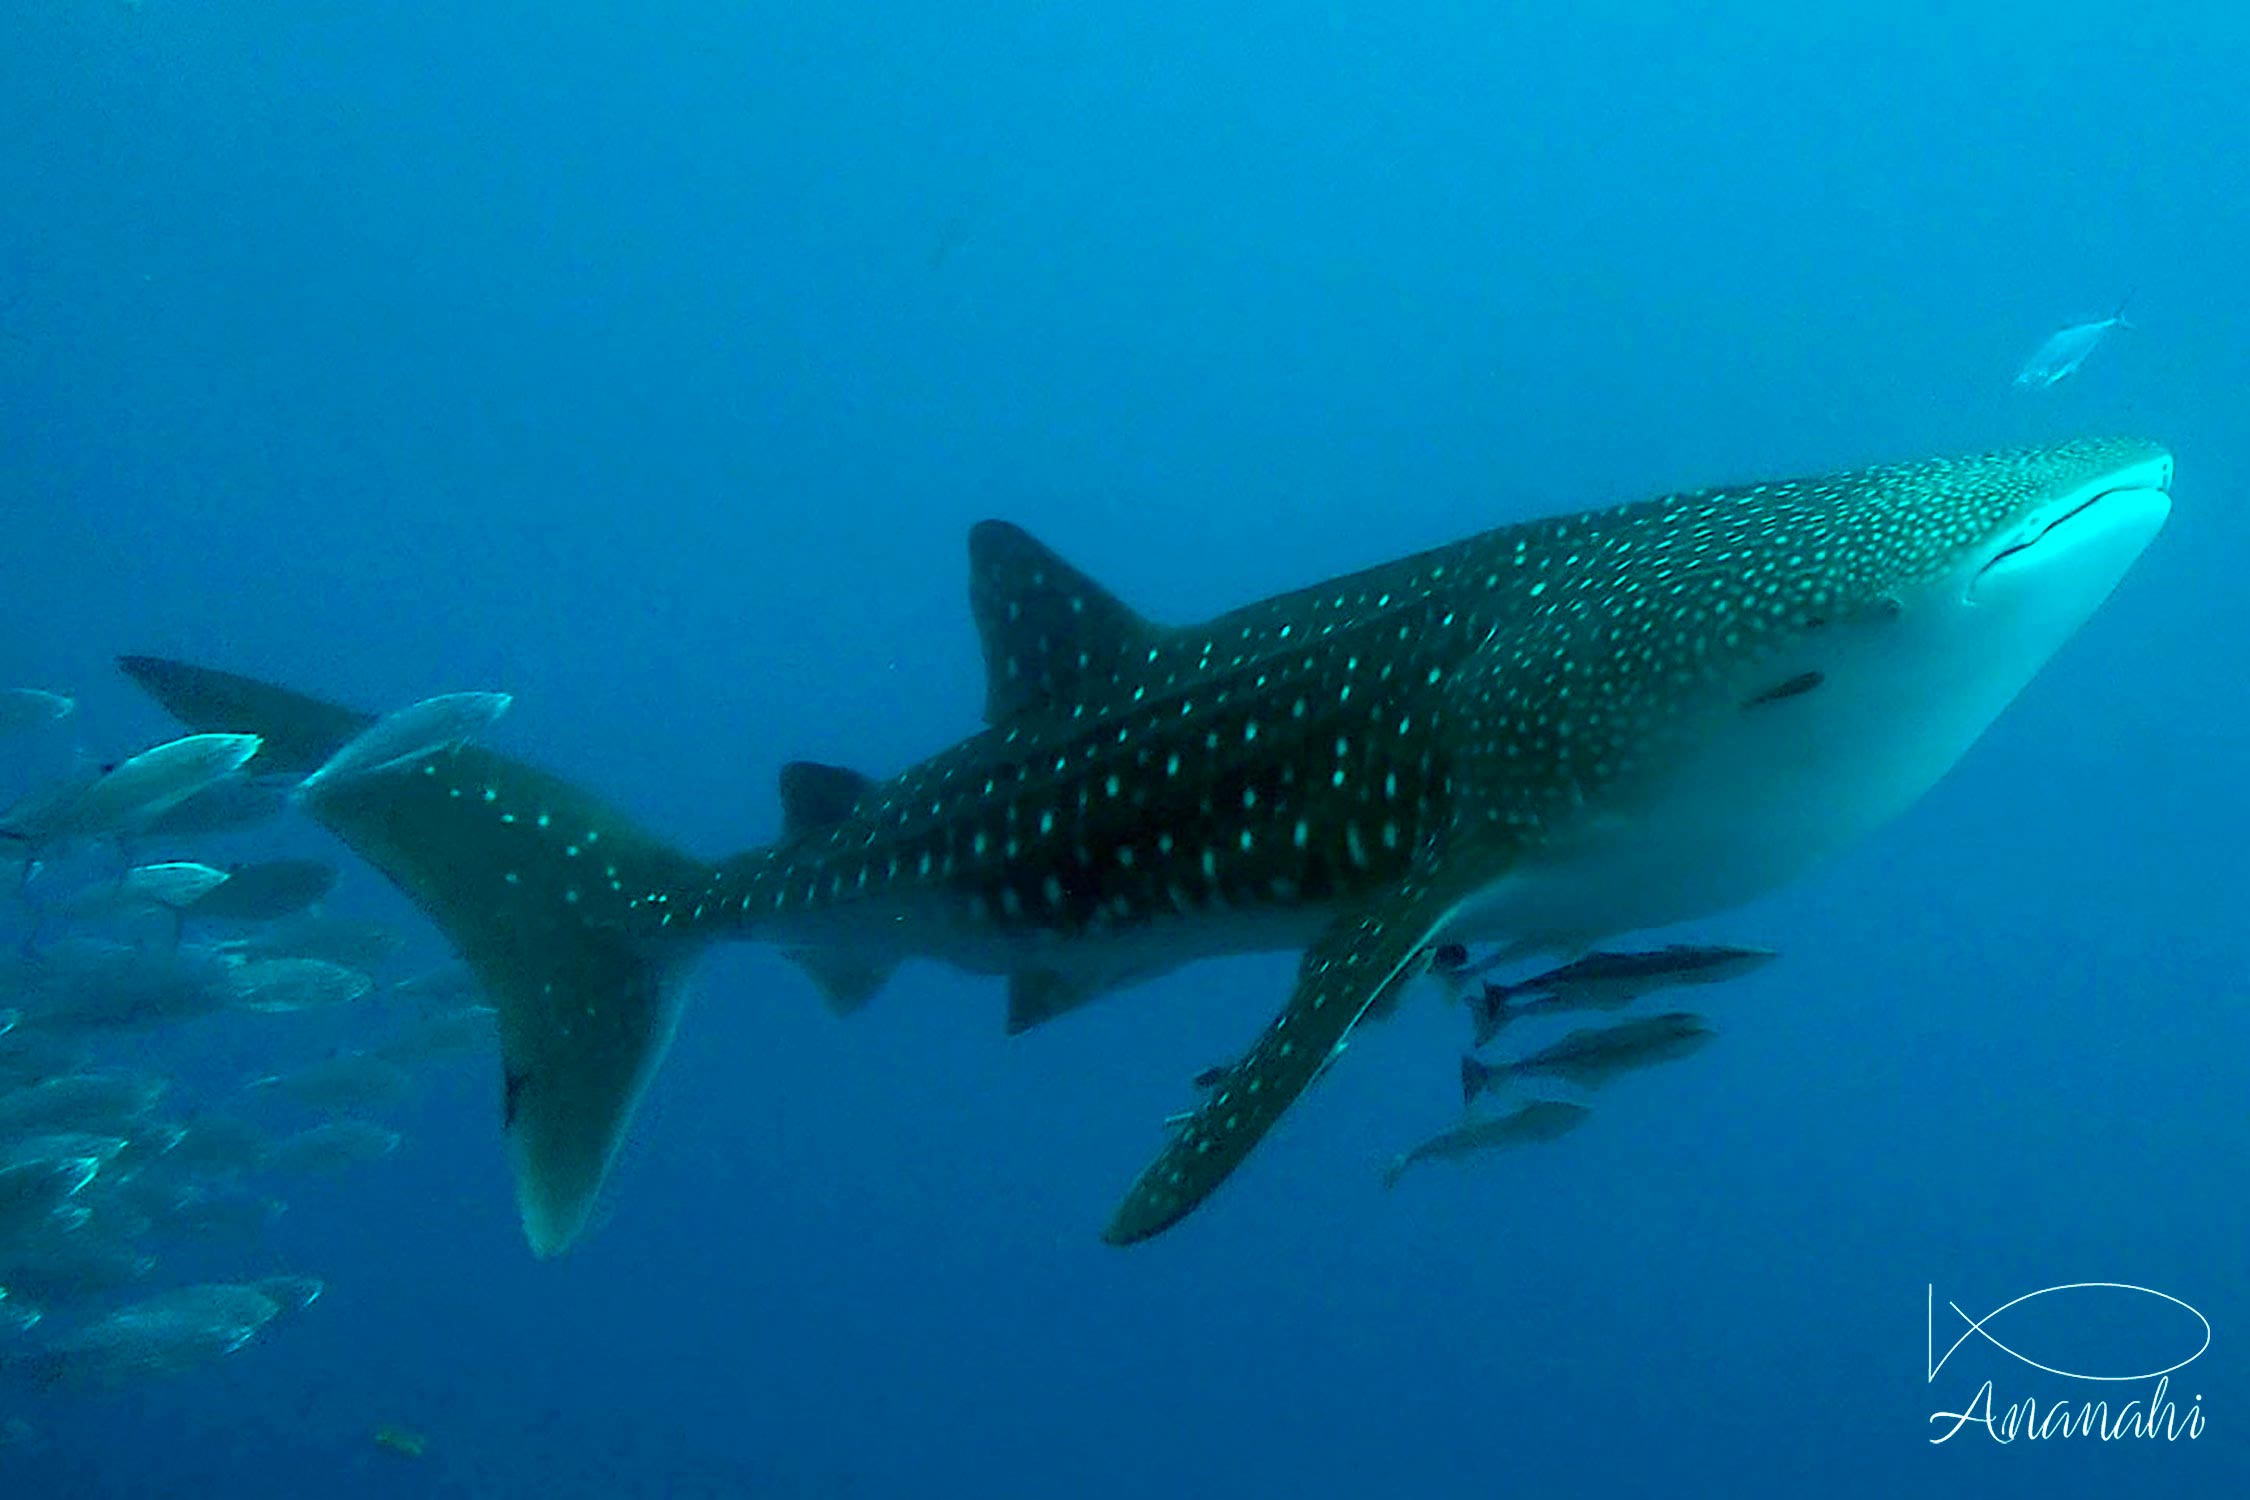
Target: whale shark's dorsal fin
x=1049, y=631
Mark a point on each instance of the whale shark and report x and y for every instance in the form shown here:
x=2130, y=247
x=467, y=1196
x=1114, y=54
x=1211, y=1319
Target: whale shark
x=1540, y=737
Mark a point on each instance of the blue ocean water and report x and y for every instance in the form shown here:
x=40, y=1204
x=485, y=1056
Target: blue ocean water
x=650, y=364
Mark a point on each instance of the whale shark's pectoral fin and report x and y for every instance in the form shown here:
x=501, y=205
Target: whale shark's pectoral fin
x=1364, y=957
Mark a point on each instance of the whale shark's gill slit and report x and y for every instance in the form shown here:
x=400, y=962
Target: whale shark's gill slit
x=1795, y=687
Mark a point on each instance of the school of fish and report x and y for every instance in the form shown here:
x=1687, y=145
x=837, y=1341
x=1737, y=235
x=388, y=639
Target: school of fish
x=147, y=923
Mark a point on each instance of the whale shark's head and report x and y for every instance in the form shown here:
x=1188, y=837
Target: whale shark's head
x=2083, y=513
x=1959, y=578
x=1779, y=668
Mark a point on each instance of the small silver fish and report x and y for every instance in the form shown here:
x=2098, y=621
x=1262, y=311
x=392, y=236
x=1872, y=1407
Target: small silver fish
x=2064, y=351
x=267, y=891
x=28, y=708
x=1542, y=1120
x=27, y=824
x=346, y=941
x=89, y=1102
x=29, y=1054
x=17, y=1318
x=292, y=1294
x=347, y=1083
x=174, y=886
x=443, y=1036
x=444, y=988
x=405, y=738
x=162, y=1335
x=1594, y=1055
x=84, y=984
x=333, y=1147
x=130, y=794
x=35, y=1197
x=57, y=1271
x=59, y=1147
x=227, y=805
x=1610, y=981
x=216, y=1146
x=203, y=1216
x=277, y=985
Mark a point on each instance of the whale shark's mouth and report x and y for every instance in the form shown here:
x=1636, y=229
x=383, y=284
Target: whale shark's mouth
x=2043, y=527
x=2051, y=534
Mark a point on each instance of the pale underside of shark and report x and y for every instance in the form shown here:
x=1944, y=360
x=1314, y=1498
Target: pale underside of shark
x=1539, y=737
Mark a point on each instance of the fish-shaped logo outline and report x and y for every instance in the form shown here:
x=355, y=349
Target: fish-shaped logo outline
x=1976, y=1328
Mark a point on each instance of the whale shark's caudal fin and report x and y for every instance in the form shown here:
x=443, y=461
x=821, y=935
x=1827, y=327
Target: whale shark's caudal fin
x=558, y=903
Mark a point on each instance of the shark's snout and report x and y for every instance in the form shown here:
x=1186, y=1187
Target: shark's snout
x=2082, y=542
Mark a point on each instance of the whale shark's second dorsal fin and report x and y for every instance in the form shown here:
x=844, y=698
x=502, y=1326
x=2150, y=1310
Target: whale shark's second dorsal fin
x=1050, y=632
x=815, y=796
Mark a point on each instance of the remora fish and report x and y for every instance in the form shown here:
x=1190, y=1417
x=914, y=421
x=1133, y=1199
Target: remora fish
x=1608, y=981
x=2066, y=349
x=1593, y=1055
x=1543, y=736
x=1540, y=1120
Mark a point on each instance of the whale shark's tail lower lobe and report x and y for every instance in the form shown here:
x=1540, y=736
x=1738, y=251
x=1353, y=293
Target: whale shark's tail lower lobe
x=556, y=901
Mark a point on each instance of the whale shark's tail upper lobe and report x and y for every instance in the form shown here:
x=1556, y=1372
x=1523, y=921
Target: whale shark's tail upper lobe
x=557, y=901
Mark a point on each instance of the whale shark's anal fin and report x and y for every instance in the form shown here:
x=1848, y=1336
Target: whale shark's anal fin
x=1365, y=956
x=559, y=904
